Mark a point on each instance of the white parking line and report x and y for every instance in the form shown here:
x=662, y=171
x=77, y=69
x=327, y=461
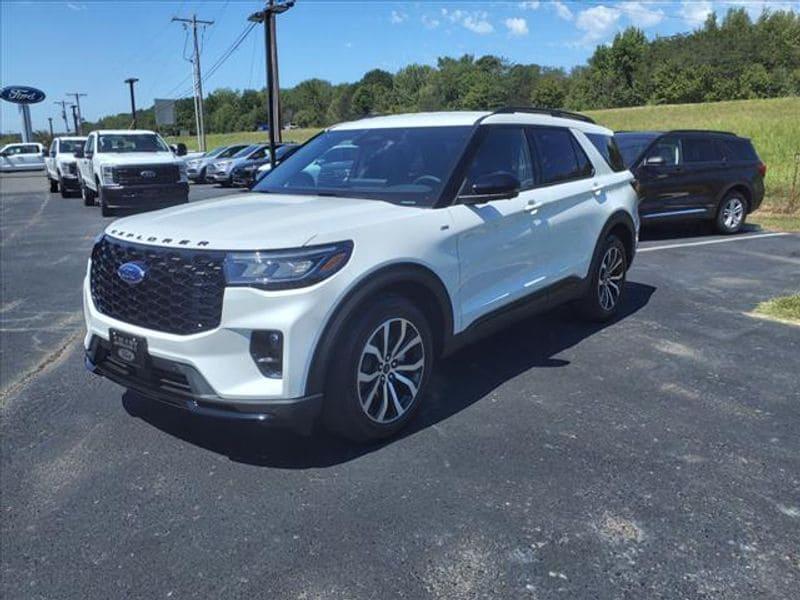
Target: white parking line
x=709, y=242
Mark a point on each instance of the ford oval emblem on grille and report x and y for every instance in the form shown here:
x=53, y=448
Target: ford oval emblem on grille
x=132, y=272
x=148, y=174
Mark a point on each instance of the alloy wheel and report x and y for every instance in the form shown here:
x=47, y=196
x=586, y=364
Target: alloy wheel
x=390, y=370
x=609, y=283
x=733, y=213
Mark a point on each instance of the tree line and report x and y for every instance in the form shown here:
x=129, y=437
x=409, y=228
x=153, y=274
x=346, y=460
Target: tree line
x=736, y=58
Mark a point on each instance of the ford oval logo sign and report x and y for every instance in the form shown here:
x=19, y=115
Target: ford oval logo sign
x=148, y=174
x=132, y=272
x=21, y=94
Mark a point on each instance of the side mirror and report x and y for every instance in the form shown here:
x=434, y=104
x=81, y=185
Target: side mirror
x=654, y=161
x=181, y=150
x=493, y=186
x=79, y=152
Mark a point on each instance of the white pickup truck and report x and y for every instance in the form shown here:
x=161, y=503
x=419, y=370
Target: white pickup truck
x=131, y=170
x=61, y=166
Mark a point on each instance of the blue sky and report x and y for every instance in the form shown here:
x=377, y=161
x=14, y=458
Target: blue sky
x=92, y=46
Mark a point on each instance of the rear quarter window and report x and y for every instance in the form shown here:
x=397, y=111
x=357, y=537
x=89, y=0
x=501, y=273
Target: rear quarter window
x=739, y=150
x=559, y=155
x=607, y=146
x=697, y=149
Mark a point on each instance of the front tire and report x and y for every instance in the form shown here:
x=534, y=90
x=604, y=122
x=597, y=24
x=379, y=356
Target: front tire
x=63, y=188
x=104, y=209
x=381, y=371
x=606, y=283
x=87, y=194
x=731, y=214
x=53, y=185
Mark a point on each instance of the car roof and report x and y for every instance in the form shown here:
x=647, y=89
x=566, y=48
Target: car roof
x=711, y=132
x=71, y=138
x=468, y=119
x=121, y=131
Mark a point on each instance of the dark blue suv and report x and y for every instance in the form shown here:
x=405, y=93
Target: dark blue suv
x=694, y=174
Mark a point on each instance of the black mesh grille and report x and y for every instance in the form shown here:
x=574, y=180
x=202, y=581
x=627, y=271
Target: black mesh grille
x=152, y=174
x=181, y=292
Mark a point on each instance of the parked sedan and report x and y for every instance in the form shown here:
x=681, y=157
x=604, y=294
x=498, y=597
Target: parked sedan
x=248, y=172
x=196, y=167
x=220, y=170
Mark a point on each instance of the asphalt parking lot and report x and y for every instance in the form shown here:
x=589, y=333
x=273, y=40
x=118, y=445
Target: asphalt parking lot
x=656, y=457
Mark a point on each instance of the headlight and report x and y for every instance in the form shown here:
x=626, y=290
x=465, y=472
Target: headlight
x=108, y=174
x=193, y=163
x=225, y=165
x=286, y=269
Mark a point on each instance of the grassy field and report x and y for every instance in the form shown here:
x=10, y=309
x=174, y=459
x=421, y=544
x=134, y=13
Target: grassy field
x=772, y=124
x=786, y=308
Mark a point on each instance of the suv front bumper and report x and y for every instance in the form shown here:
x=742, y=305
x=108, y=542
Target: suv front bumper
x=213, y=372
x=157, y=195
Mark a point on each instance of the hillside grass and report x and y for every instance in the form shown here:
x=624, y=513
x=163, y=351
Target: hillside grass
x=773, y=125
x=249, y=137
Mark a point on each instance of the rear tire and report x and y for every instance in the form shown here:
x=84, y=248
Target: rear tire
x=381, y=370
x=201, y=177
x=731, y=214
x=53, y=185
x=606, y=281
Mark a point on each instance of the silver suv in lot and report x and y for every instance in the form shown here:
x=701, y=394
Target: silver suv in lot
x=331, y=289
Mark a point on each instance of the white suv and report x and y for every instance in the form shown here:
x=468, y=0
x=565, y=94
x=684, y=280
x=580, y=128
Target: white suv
x=331, y=288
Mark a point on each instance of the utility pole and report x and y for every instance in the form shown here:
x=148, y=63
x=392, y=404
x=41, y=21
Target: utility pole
x=75, y=116
x=63, y=104
x=50, y=123
x=78, y=95
x=130, y=81
x=267, y=16
x=198, y=79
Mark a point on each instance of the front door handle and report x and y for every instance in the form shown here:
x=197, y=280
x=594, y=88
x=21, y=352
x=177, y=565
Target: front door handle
x=532, y=206
x=597, y=189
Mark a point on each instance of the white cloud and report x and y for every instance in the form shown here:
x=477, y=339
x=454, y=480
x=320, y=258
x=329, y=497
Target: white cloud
x=398, y=17
x=641, y=15
x=430, y=22
x=562, y=10
x=517, y=26
x=476, y=21
x=597, y=22
x=695, y=12
x=529, y=5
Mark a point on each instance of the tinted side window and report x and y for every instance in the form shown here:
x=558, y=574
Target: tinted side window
x=558, y=157
x=502, y=150
x=669, y=149
x=701, y=150
x=30, y=149
x=607, y=146
x=739, y=150
x=87, y=148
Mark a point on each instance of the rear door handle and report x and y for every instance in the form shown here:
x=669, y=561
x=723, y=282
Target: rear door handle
x=597, y=189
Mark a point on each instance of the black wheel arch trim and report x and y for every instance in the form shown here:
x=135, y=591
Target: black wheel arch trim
x=619, y=217
x=370, y=284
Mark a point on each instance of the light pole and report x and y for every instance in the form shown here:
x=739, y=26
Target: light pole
x=75, y=116
x=50, y=123
x=267, y=16
x=130, y=81
x=78, y=95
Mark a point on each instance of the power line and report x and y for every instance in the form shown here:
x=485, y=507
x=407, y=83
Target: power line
x=77, y=95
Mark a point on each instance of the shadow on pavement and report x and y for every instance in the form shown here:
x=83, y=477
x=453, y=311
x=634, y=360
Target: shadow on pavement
x=461, y=380
x=685, y=229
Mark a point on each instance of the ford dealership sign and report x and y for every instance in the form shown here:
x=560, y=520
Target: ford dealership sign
x=21, y=94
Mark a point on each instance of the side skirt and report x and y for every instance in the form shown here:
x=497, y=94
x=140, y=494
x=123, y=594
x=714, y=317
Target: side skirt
x=558, y=293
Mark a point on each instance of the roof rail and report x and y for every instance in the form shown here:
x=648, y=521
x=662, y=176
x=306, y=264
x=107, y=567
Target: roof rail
x=702, y=131
x=553, y=112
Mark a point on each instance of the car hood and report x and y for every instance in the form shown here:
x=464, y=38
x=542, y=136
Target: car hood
x=256, y=221
x=136, y=158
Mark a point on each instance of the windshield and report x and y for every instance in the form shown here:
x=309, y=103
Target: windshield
x=247, y=151
x=406, y=166
x=215, y=152
x=231, y=151
x=631, y=145
x=69, y=146
x=131, y=142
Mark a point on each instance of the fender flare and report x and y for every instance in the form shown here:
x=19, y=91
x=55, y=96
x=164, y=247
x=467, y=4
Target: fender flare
x=620, y=217
x=367, y=286
x=729, y=187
